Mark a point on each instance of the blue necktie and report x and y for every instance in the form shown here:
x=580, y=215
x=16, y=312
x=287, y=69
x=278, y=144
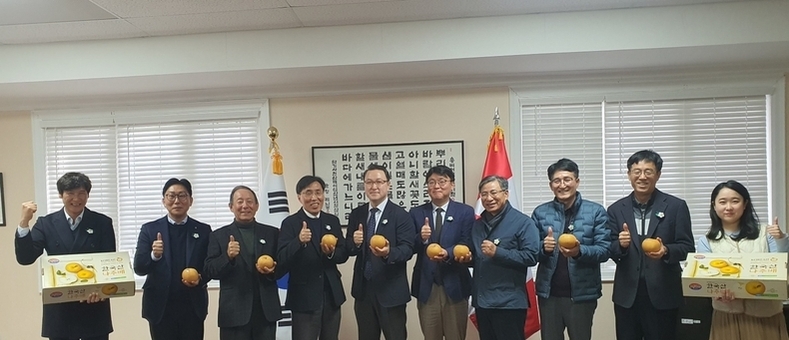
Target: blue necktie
x=368, y=233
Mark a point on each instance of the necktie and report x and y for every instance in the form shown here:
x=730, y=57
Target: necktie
x=439, y=223
x=368, y=233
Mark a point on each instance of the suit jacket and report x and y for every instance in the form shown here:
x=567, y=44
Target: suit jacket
x=159, y=273
x=389, y=282
x=670, y=221
x=455, y=230
x=239, y=276
x=53, y=234
x=310, y=269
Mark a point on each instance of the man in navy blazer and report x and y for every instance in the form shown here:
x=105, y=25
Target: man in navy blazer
x=380, y=285
x=647, y=285
x=174, y=307
x=441, y=285
x=315, y=291
x=74, y=229
x=249, y=305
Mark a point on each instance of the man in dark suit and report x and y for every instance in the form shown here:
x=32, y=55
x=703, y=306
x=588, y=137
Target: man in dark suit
x=174, y=307
x=74, y=229
x=441, y=285
x=647, y=285
x=315, y=291
x=380, y=286
x=249, y=305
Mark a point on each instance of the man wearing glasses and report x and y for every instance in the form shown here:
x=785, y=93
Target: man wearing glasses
x=647, y=285
x=440, y=284
x=505, y=244
x=174, y=306
x=380, y=286
x=568, y=278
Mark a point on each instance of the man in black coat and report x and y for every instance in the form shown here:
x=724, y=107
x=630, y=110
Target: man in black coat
x=315, y=291
x=249, y=305
x=74, y=229
x=174, y=307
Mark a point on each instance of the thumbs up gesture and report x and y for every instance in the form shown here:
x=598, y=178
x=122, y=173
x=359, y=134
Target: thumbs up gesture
x=426, y=231
x=624, y=236
x=233, y=248
x=775, y=230
x=549, y=243
x=157, y=248
x=305, y=235
x=358, y=236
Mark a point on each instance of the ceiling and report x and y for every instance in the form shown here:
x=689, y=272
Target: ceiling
x=42, y=21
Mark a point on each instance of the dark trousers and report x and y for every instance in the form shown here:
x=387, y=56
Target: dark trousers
x=258, y=328
x=323, y=324
x=558, y=313
x=501, y=324
x=179, y=322
x=103, y=337
x=644, y=321
x=372, y=319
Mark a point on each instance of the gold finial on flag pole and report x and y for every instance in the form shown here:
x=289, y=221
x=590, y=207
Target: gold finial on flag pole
x=273, y=150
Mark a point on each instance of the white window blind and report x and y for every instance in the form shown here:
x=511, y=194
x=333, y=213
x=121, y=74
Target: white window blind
x=702, y=142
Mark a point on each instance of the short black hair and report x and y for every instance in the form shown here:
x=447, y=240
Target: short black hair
x=377, y=167
x=495, y=178
x=174, y=181
x=240, y=187
x=645, y=155
x=73, y=180
x=563, y=164
x=441, y=170
x=307, y=181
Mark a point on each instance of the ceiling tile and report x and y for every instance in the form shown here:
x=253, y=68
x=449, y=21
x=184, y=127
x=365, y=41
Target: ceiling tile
x=218, y=22
x=19, y=12
x=154, y=8
x=303, y=3
x=68, y=31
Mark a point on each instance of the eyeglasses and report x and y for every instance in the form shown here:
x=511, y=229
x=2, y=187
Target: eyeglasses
x=310, y=193
x=173, y=197
x=646, y=173
x=379, y=183
x=566, y=180
x=441, y=183
x=492, y=193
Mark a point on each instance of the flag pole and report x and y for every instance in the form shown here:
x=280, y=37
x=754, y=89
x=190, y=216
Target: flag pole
x=273, y=150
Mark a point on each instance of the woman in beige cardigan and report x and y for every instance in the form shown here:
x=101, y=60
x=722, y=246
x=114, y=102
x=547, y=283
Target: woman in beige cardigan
x=735, y=229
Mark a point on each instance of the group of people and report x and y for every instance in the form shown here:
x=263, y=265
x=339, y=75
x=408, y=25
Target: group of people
x=447, y=238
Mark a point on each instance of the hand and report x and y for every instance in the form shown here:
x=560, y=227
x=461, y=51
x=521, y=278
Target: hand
x=233, y=248
x=327, y=249
x=658, y=254
x=549, y=243
x=192, y=284
x=93, y=298
x=158, y=246
x=358, y=236
x=775, y=230
x=488, y=248
x=725, y=296
x=305, y=235
x=28, y=210
x=426, y=231
x=464, y=259
x=381, y=252
x=624, y=236
x=266, y=271
x=571, y=252
x=442, y=256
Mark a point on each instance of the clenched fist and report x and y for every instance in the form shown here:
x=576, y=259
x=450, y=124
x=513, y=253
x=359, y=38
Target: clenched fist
x=28, y=210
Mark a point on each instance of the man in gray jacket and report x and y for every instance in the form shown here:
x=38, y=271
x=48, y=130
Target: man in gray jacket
x=568, y=278
x=505, y=243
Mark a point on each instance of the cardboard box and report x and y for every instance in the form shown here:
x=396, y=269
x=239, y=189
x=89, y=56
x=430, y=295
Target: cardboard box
x=749, y=276
x=66, y=278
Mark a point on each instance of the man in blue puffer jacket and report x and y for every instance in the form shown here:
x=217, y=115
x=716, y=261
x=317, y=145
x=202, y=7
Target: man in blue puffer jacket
x=568, y=278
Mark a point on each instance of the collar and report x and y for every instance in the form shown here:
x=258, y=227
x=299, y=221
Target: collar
x=445, y=206
x=314, y=217
x=173, y=222
x=573, y=207
x=79, y=217
x=636, y=204
x=380, y=206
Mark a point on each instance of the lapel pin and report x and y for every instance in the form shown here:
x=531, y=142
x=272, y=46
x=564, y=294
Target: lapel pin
x=660, y=214
x=570, y=227
x=328, y=227
x=385, y=221
x=196, y=235
x=496, y=241
x=90, y=231
x=449, y=218
x=262, y=241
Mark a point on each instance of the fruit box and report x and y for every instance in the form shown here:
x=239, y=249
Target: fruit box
x=66, y=278
x=749, y=276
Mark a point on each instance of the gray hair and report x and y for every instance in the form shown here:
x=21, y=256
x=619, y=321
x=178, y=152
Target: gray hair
x=502, y=182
